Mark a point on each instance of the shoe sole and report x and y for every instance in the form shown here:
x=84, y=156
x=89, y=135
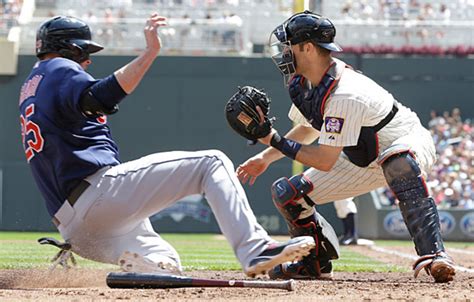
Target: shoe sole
x=293, y=252
x=442, y=272
x=133, y=262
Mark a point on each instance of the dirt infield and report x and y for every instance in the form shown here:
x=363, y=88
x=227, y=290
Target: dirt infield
x=89, y=285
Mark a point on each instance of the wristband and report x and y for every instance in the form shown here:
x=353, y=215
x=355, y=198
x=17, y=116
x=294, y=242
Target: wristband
x=286, y=146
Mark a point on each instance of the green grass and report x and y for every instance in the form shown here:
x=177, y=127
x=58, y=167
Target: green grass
x=19, y=250
x=389, y=243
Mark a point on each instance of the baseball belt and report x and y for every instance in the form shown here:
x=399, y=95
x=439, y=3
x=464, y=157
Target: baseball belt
x=73, y=197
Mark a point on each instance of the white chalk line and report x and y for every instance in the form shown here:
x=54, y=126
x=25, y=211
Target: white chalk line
x=460, y=251
x=412, y=257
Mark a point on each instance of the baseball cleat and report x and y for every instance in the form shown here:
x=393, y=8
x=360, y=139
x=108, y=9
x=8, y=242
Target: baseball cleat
x=439, y=265
x=348, y=240
x=133, y=262
x=442, y=269
x=276, y=253
x=297, y=270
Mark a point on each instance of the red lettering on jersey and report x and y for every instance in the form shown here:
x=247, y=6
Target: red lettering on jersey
x=102, y=119
x=37, y=142
x=29, y=88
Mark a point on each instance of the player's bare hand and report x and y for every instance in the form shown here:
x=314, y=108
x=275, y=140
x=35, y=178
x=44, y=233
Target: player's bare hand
x=153, y=41
x=264, y=140
x=251, y=169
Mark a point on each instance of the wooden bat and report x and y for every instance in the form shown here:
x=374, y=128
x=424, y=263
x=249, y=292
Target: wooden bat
x=148, y=280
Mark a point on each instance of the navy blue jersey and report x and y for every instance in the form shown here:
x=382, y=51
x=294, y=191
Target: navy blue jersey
x=61, y=144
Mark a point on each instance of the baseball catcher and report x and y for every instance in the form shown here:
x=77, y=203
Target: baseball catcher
x=366, y=140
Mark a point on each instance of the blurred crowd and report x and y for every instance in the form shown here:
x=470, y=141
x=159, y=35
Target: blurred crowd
x=9, y=12
x=450, y=180
x=406, y=9
x=193, y=25
x=418, y=22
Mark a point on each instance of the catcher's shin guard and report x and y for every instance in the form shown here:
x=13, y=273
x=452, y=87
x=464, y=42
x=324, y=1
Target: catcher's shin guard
x=289, y=196
x=419, y=212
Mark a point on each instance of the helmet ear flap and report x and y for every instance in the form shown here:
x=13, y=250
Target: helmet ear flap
x=73, y=52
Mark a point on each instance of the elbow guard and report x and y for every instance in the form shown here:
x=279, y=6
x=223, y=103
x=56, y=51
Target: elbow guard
x=102, y=97
x=92, y=107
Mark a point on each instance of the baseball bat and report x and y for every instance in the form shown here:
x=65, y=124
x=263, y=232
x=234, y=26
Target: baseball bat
x=148, y=280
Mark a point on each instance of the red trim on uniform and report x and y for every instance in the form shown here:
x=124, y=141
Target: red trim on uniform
x=302, y=80
x=310, y=182
x=293, y=76
x=400, y=152
x=327, y=94
x=326, y=71
x=376, y=144
x=424, y=186
x=292, y=199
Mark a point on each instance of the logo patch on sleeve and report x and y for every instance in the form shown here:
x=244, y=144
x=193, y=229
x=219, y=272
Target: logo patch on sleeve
x=333, y=124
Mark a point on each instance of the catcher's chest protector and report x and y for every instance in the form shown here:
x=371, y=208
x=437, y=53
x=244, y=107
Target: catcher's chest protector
x=310, y=102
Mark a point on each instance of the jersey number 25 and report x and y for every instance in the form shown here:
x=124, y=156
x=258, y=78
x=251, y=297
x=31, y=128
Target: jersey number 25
x=30, y=143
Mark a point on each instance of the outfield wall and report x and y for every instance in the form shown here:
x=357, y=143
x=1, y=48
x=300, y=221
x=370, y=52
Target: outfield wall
x=179, y=106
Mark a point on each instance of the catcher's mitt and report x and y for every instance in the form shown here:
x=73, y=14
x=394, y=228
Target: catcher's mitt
x=242, y=115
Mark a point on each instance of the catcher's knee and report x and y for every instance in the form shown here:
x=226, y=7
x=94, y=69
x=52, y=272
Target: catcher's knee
x=287, y=196
x=403, y=175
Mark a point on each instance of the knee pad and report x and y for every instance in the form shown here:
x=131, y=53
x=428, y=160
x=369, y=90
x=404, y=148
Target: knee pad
x=403, y=175
x=419, y=211
x=287, y=196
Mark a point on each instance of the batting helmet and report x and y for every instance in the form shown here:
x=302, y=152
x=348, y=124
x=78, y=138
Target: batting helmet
x=301, y=27
x=67, y=36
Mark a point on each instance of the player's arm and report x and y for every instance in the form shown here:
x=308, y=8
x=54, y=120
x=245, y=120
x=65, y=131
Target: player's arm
x=256, y=165
x=130, y=75
x=340, y=129
x=103, y=96
x=299, y=133
x=320, y=157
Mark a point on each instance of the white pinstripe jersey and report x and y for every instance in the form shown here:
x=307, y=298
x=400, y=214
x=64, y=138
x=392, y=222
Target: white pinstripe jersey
x=357, y=102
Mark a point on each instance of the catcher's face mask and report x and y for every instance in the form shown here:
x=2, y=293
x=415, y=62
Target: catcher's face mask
x=281, y=52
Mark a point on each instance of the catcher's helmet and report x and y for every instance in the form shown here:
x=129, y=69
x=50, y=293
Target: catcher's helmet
x=301, y=27
x=67, y=36
x=310, y=26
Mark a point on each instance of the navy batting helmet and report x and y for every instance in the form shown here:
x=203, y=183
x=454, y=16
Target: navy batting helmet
x=301, y=27
x=67, y=36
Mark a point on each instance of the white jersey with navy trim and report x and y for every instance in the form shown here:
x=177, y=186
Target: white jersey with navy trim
x=357, y=102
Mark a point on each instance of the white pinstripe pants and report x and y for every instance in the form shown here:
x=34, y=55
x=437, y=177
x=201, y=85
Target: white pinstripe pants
x=348, y=180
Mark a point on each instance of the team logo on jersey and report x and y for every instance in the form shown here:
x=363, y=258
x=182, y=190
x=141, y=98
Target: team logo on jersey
x=333, y=124
x=447, y=222
x=393, y=223
x=190, y=206
x=467, y=224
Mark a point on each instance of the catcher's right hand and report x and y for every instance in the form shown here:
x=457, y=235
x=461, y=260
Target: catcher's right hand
x=244, y=117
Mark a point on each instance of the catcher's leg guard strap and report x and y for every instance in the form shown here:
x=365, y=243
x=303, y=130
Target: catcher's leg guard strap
x=289, y=196
x=419, y=211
